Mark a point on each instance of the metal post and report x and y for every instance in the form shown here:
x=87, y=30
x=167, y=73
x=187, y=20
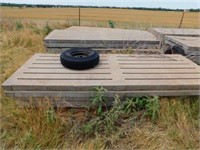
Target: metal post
x=182, y=18
x=79, y=9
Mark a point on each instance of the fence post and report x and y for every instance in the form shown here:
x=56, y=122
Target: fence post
x=79, y=10
x=182, y=18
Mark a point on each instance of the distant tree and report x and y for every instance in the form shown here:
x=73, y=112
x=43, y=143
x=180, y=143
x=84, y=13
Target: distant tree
x=75, y=6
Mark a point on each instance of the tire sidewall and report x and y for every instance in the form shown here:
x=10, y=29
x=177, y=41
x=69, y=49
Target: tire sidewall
x=79, y=63
x=91, y=56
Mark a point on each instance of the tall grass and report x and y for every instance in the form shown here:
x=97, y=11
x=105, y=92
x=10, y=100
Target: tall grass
x=121, y=16
x=175, y=126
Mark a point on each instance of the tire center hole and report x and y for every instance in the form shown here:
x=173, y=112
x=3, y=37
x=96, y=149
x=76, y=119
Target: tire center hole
x=79, y=54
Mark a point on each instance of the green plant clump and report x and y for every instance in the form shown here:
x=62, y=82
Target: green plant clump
x=19, y=25
x=99, y=100
x=47, y=29
x=111, y=23
x=108, y=121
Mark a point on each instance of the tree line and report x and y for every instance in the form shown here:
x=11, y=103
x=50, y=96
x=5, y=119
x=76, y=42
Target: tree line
x=80, y=6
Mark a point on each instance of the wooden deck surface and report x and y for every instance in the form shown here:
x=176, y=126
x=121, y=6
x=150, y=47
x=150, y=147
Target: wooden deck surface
x=122, y=74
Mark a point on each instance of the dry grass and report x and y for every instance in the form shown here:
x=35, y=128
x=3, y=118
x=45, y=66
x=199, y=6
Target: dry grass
x=100, y=16
x=177, y=126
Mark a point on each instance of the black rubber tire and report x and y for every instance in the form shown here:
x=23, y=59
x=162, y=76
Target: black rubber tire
x=175, y=50
x=79, y=58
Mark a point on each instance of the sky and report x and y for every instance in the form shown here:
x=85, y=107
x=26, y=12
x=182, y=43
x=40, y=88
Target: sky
x=173, y=4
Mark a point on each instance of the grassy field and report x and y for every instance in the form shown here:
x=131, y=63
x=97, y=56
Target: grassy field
x=99, y=16
x=140, y=123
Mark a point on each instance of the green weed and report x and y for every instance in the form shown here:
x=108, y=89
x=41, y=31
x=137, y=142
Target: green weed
x=109, y=121
x=129, y=105
x=28, y=139
x=111, y=23
x=104, y=123
x=99, y=100
x=47, y=29
x=50, y=114
x=19, y=25
x=152, y=107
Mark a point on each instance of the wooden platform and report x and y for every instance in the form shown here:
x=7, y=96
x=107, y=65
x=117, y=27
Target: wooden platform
x=122, y=74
